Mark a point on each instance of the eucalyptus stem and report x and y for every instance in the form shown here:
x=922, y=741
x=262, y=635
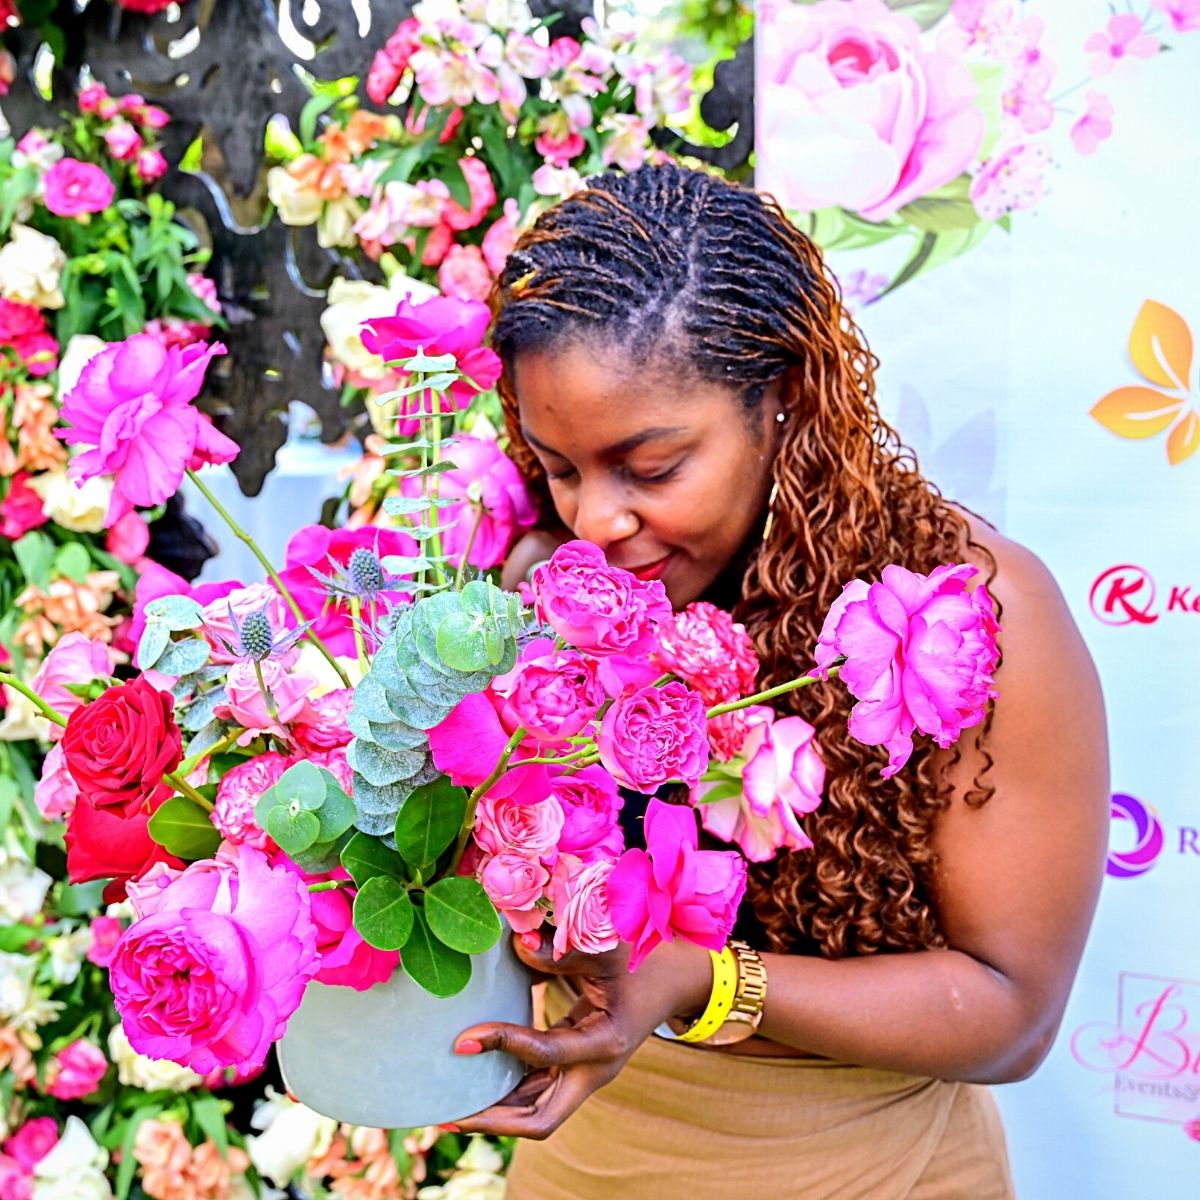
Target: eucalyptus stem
x=273, y=574
x=566, y=761
x=473, y=800
x=771, y=693
x=18, y=685
x=434, y=482
x=466, y=554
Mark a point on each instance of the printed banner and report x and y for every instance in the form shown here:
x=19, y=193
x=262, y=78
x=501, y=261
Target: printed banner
x=1007, y=193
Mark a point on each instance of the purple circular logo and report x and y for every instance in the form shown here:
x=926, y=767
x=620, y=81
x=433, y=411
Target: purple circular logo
x=1125, y=864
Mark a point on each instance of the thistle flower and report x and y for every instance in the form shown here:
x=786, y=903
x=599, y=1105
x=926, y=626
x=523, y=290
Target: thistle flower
x=254, y=638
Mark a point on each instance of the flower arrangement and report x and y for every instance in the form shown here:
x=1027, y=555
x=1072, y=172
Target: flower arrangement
x=935, y=122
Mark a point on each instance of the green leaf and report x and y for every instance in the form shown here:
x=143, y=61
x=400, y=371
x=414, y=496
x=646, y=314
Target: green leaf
x=35, y=554
x=431, y=964
x=337, y=814
x=304, y=783
x=182, y=657
x=383, y=913
x=321, y=857
x=460, y=643
x=295, y=829
x=460, y=191
x=365, y=857
x=948, y=208
x=402, y=166
x=837, y=229
x=723, y=791
x=461, y=915
x=430, y=820
x=182, y=827
x=72, y=562
x=210, y=1118
x=312, y=109
x=128, y=1164
x=176, y=613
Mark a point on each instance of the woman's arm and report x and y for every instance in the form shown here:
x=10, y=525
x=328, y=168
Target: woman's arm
x=1016, y=884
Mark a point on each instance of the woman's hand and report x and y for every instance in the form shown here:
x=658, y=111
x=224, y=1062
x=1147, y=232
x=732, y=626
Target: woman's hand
x=617, y=1011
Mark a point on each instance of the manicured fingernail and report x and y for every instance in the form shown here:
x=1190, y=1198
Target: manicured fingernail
x=468, y=1046
x=450, y=1127
x=531, y=941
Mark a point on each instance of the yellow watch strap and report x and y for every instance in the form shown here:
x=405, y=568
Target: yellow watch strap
x=720, y=1003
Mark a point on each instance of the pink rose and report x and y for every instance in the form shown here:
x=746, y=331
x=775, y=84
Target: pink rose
x=708, y=651
x=106, y=933
x=246, y=704
x=73, y=188
x=493, y=507
x=501, y=237
x=239, y=791
x=132, y=407
x=123, y=141
x=16, y=1183
x=334, y=761
x=324, y=727
x=599, y=609
x=210, y=978
x=515, y=884
x=390, y=63
x=346, y=960
x=150, y=165
x=856, y=111
x=33, y=1141
x=483, y=196
x=74, y=659
x=91, y=96
x=590, y=802
x=128, y=538
x=76, y=1071
x=507, y=826
x=782, y=779
x=552, y=695
x=651, y=735
x=22, y=509
x=464, y=274
x=673, y=889
x=920, y=655
x=56, y=791
x=582, y=920
x=254, y=598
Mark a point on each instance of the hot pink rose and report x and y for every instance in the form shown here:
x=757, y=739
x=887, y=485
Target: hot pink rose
x=464, y=274
x=211, y=977
x=672, y=889
x=73, y=188
x=56, y=792
x=599, y=609
x=856, y=110
x=782, y=778
x=22, y=509
x=127, y=538
x=132, y=407
x=504, y=825
x=708, y=651
x=123, y=141
x=23, y=327
x=32, y=1142
x=439, y=325
x=515, y=884
x=553, y=695
x=483, y=196
x=493, y=505
x=558, y=151
x=218, y=624
x=582, y=920
x=346, y=960
x=325, y=727
x=91, y=96
x=651, y=735
x=246, y=704
x=239, y=791
x=76, y=1071
x=150, y=165
x=106, y=933
x=501, y=237
x=590, y=802
x=74, y=659
x=920, y=655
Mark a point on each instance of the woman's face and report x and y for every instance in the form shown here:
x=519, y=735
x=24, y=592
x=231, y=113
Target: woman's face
x=668, y=476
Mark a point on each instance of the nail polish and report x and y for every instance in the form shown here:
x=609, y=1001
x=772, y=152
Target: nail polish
x=531, y=941
x=450, y=1127
x=468, y=1046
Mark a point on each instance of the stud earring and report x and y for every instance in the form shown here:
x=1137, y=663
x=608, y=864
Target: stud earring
x=780, y=417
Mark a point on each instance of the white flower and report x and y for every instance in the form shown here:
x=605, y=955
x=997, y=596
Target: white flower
x=466, y=1185
x=481, y=1155
x=429, y=12
x=80, y=349
x=23, y=886
x=291, y=1135
x=78, y=507
x=336, y=224
x=353, y=301
x=297, y=204
x=74, y=1168
x=141, y=1071
x=22, y=721
x=31, y=267
x=16, y=983
x=67, y=952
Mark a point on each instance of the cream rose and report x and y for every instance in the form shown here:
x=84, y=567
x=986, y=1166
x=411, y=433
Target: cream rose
x=74, y=1168
x=353, y=301
x=22, y=721
x=150, y=1074
x=81, y=508
x=31, y=267
x=81, y=348
x=291, y=1135
x=297, y=205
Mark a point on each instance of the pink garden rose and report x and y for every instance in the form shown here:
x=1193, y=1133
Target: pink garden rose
x=464, y=274
x=56, y=792
x=553, y=695
x=582, y=920
x=76, y=1070
x=75, y=658
x=132, y=408
x=106, y=933
x=22, y=509
x=599, y=609
x=127, y=538
x=32, y=1141
x=150, y=165
x=210, y=977
x=651, y=735
x=123, y=141
x=504, y=825
x=920, y=655
x=324, y=726
x=782, y=779
x=239, y=791
x=74, y=188
x=590, y=802
x=673, y=889
x=709, y=651
x=246, y=704
x=493, y=506
x=856, y=110
x=515, y=884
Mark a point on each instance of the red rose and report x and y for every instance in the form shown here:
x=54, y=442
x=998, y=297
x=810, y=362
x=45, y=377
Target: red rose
x=103, y=844
x=119, y=747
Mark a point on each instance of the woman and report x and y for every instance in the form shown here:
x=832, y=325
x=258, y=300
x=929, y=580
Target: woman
x=683, y=388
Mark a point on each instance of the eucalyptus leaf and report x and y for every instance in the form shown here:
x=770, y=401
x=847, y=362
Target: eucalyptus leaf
x=183, y=657
x=430, y=821
x=154, y=640
x=383, y=913
x=293, y=829
x=177, y=613
x=431, y=363
x=337, y=814
x=461, y=915
x=305, y=783
x=184, y=829
x=321, y=857
x=460, y=643
x=432, y=964
x=382, y=767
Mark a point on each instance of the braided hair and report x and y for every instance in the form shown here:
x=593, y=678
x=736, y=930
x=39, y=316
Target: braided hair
x=667, y=261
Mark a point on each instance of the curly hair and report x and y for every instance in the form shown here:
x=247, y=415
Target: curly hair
x=666, y=259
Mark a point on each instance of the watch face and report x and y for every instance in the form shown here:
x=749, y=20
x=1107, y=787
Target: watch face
x=736, y=1029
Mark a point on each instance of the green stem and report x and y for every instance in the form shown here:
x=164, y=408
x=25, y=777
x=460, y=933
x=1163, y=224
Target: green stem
x=473, y=800
x=330, y=885
x=17, y=685
x=190, y=764
x=771, y=693
x=466, y=554
x=360, y=646
x=433, y=483
x=566, y=761
x=254, y=549
x=184, y=788
x=272, y=711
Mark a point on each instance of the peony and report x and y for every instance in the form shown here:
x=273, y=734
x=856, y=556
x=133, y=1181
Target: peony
x=672, y=889
x=599, y=609
x=553, y=695
x=515, y=884
x=75, y=659
x=590, y=802
x=246, y=704
x=81, y=508
x=708, y=651
x=76, y=1071
x=31, y=267
x=920, y=655
x=582, y=920
x=857, y=112
x=651, y=735
x=210, y=977
x=74, y=188
x=531, y=829
x=464, y=274
x=132, y=407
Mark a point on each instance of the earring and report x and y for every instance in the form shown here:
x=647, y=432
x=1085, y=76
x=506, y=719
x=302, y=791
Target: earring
x=766, y=533
x=780, y=417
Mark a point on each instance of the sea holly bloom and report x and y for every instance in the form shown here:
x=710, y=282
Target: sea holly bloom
x=1121, y=40
x=652, y=735
x=920, y=654
x=1095, y=126
x=673, y=889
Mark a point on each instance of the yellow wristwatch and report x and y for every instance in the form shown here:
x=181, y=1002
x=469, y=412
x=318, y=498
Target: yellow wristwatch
x=751, y=995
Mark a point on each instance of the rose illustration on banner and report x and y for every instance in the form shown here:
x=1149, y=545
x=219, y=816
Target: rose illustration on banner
x=1161, y=348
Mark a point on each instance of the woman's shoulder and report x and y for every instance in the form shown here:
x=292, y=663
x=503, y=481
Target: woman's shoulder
x=1015, y=576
